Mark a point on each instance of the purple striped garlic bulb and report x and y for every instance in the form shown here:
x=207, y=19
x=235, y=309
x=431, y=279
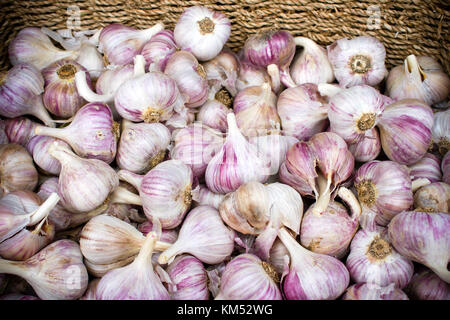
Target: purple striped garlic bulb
x=165, y=191
x=189, y=279
x=151, y=97
x=84, y=184
x=236, y=163
x=38, y=147
x=92, y=134
x=20, y=93
x=370, y=291
x=316, y=168
x=158, y=50
x=429, y=167
x=309, y=275
x=142, y=146
x=246, y=277
x=405, y=130
x=61, y=96
x=358, y=61
x=201, y=195
x=426, y=285
x=424, y=238
x=385, y=188
x=250, y=75
x=120, y=43
x=214, y=115
x=20, y=130
x=303, y=111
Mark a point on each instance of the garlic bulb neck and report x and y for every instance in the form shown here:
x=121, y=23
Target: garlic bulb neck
x=122, y=195
x=132, y=178
x=86, y=92
x=44, y=209
x=146, y=251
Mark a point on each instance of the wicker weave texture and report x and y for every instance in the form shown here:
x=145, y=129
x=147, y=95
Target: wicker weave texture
x=405, y=27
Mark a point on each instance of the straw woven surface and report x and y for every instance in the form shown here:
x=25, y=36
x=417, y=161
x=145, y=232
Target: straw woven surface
x=405, y=26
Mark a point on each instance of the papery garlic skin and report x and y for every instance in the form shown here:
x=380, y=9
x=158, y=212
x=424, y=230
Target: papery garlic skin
x=87, y=191
x=434, y=197
x=374, y=260
x=20, y=130
x=236, y=163
x=120, y=43
x=202, y=31
x=151, y=97
x=204, y=235
x=111, y=79
x=189, y=279
x=405, y=130
x=61, y=96
x=303, y=111
x=441, y=131
x=384, y=187
x=277, y=255
x=255, y=110
x=214, y=115
x=419, y=77
x=17, y=171
x=158, y=50
x=201, y=195
x=369, y=291
x=311, y=65
x=38, y=147
x=195, y=145
x=222, y=71
x=429, y=167
x=358, y=61
x=367, y=148
x=33, y=46
x=246, y=277
x=91, y=134
x=426, y=285
x=190, y=77
x=423, y=237
x=142, y=146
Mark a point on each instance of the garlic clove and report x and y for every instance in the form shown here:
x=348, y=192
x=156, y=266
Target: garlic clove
x=99, y=270
x=158, y=50
x=250, y=75
x=426, y=285
x=201, y=195
x=367, y=148
x=214, y=115
x=222, y=71
x=38, y=147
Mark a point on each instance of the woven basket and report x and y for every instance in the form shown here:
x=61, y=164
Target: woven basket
x=404, y=26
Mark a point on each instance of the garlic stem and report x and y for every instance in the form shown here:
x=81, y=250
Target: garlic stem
x=419, y=183
x=44, y=209
x=328, y=90
x=231, y=122
x=303, y=42
x=144, y=257
x=350, y=199
x=286, y=79
x=50, y=132
x=147, y=34
x=39, y=111
x=289, y=242
x=122, y=195
x=274, y=74
x=11, y=267
x=132, y=178
x=168, y=254
x=139, y=65
x=86, y=93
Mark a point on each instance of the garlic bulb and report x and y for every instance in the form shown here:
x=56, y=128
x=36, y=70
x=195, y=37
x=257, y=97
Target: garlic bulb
x=358, y=61
x=214, y=115
x=151, y=97
x=20, y=130
x=120, y=44
x=190, y=77
x=423, y=237
x=318, y=167
x=158, y=50
x=311, y=65
x=303, y=111
x=250, y=75
x=203, y=235
x=441, y=131
x=201, y=195
x=202, y=31
x=426, y=285
x=110, y=80
x=256, y=111
x=91, y=291
x=273, y=50
x=434, y=197
x=373, y=259
x=445, y=166
x=405, y=130
x=165, y=191
x=368, y=148
x=331, y=231
x=236, y=163
x=195, y=146
x=84, y=184
x=419, y=78
x=246, y=277
x=61, y=96
x=20, y=93
x=17, y=171
x=383, y=187
x=429, y=167
x=222, y=71
x=38, y=147
x=55, y=273
x=189, y=279
x=32, y=45
x=142, y=146
x=369, y=291
x=136, y=281
x=91, y=134
x=309, y=275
